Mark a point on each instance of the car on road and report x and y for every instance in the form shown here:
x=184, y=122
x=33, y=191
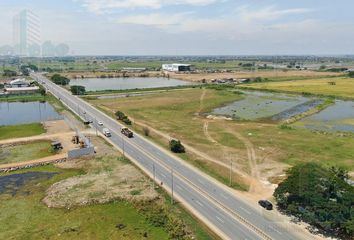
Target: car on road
x=106, y=132
x=100, y=123
x=266, y=204
x=127, y=132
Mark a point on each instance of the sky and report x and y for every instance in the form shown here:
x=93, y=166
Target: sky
x=191, y=27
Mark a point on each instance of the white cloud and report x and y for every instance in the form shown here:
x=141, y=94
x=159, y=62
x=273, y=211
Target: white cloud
x=101, y=6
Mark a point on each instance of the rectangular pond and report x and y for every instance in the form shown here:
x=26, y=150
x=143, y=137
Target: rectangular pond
x=99, y=84
x=336, y=118
x=263, y=105
x=13, y=113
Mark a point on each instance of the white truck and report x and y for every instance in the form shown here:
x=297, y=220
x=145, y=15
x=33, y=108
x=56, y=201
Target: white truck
x=106, y=132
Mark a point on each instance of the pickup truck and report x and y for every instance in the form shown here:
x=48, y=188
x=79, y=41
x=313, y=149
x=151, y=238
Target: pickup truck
x=127, y=132
x=106, y=132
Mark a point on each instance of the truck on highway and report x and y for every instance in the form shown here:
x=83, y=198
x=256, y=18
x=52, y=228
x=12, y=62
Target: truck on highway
x=127, y=132
x=106, y=132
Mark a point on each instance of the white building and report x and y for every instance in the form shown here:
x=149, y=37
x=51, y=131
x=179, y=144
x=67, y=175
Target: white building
x=176, y=67
x=18, y=83
x=26, y=34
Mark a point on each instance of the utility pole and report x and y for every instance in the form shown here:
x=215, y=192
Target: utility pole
x=172, y=186
x=230, y=172
x=154, y=173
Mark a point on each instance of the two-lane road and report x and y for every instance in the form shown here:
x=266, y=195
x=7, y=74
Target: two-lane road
x=226, y=214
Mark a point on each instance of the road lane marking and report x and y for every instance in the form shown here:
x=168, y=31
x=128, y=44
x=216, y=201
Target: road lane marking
x=201, y=204
x=219, y=219
x=223, y=195
x=200, y=181
x=179, y=187
x=245, y=210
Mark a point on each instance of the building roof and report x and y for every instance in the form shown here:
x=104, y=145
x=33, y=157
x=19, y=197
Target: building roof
x=19, y=81
x=20, y=89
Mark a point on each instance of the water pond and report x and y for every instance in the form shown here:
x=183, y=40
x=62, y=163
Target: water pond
x=99, y=84
x=13, y=113
x=336, y=118
x=11, y=184
x=260, y=105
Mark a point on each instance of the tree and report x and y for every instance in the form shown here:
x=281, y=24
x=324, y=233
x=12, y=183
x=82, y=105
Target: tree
x=351, y=74
x=9, y=73
x=176, y=146
x=319, y=196
x=77, y=90
x=60, y=80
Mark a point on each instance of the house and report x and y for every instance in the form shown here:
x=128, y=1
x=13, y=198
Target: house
x=18, y=83
x=176, y=67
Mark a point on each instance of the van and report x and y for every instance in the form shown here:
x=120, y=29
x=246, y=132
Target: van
x=106, y=132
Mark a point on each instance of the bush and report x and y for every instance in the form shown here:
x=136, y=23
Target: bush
x=78, y=90
x=60, y=80
x=176, y=146
x=127, y=121
x=9, y=73
x=146, y=131
x=120, y=115
x=351, y=74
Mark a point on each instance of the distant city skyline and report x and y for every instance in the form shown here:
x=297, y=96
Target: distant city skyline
x=191, y=27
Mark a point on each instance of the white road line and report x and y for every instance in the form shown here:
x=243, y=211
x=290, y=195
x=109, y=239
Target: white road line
x=201, y=204
x=179, y=187
x=245, y=210
x=163, y=175
x=200, y=181
x=219, y=219
x=275, y=230
x=223, y=195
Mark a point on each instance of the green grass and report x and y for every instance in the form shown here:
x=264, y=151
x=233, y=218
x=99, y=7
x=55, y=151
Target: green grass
x=24, y=216
x=19, y=131
x=25, y=152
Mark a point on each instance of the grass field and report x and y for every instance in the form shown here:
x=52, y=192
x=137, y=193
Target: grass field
x=25, y=152
x=174, y=113
x=344, y=87
x=19, y=131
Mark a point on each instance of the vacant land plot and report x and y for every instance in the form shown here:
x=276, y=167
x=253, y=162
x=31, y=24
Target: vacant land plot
x=259, y=150
x=91, y=198
x=19, y=131
x=340, y=87
x=25, y=152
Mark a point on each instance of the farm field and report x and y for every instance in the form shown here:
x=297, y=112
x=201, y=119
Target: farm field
x=25, y=152
x=344, y=87
x=261, y=150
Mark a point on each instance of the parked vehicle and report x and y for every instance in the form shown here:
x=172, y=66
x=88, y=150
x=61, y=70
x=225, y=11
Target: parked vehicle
x=127, y=132
x=266, y=204
x=106, y=132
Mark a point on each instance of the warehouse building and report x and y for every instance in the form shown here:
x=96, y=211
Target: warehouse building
x=176, y=67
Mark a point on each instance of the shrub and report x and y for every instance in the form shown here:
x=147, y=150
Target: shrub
x=127, y=121
x=120, y=115
x=176, y=146
x=146, y=131
x=351, y=74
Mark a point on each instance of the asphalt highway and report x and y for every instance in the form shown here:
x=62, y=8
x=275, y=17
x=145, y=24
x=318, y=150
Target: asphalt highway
x=217, y=206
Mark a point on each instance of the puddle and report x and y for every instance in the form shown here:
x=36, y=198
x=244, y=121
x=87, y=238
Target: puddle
x=11, y=184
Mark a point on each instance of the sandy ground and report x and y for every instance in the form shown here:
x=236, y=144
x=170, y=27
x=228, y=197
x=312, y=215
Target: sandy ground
x=248, y=74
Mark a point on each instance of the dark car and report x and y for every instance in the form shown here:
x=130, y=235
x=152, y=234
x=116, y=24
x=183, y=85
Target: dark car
x=266, y=204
